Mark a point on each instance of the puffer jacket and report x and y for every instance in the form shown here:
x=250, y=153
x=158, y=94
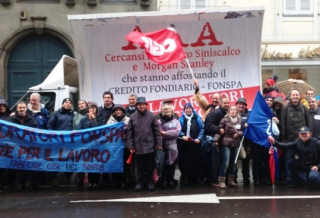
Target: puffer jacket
x=292, y=118
x=229, y=130
x=197, y=126
x=143, y=132
x=61, y=120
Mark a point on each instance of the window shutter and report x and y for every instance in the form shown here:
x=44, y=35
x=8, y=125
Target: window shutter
x=290, y=7
x=184, y=4
x=200, y=3
x=306, y=7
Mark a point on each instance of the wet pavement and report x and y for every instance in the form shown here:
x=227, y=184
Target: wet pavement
x=66, y=201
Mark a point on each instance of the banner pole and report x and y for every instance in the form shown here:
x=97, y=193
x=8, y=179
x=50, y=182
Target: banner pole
x=190, y=68
x=235, y=161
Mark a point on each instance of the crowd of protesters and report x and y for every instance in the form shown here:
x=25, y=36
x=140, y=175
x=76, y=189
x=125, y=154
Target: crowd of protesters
x=205, y=147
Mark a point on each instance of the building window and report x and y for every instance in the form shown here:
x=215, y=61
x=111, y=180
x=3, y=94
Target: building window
x=39, y=1
x=118, y=1
x=192, y=4
x=298, y=7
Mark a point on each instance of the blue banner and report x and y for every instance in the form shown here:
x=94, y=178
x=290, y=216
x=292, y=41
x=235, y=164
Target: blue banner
x=260, y=122
x=98, y=149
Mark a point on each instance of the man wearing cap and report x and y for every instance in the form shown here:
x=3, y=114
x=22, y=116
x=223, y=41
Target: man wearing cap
x=61, y=119
x=308, y=149
x=293, y=116
x=315, y=117
x=143, y=137
x=244, y=114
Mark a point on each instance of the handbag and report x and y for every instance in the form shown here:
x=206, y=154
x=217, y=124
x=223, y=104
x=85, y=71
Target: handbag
x=242, y=153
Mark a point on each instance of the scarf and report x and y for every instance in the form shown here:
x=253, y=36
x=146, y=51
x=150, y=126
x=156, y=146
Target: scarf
x=119, y=118
x=188, y=118
x=165, y=119
x=233, y=120
x=84, y=111
x=34, y=110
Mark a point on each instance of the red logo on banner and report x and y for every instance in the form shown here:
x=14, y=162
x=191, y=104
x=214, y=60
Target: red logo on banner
x=163, y=46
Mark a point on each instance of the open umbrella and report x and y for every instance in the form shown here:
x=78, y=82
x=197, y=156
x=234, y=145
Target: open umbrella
x=287, y=85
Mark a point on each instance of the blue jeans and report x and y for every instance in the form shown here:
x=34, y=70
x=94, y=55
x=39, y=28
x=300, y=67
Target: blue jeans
x=228, y=155
x=296, y=167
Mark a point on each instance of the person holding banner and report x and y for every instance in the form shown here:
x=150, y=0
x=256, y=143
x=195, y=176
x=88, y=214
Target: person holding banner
x=203, y=103
x=169, y=129
x=82, y=111
x=38, y=111
x=230, y=133
x=106, y=109
x=4, y=115
x=144, y=137
x=61, y=120
x=308, y=149
x=189, y=141
x=91, y=119
x=119, y=115
x=4, y=110
x=21, y=117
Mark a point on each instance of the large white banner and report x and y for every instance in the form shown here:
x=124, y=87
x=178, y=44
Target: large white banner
x=223, y=49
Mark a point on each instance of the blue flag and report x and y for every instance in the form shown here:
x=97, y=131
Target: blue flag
x=260, y=122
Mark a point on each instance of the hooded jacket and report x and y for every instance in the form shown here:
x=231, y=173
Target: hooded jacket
x=6, y=114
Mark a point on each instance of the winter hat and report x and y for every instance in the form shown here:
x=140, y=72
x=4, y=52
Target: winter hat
x=118, y=106
x=141, y=100
x=242, y=100
x=167, y=101
x=268, y=96
x=278, y=100
x=66, y=99
x=187, y=105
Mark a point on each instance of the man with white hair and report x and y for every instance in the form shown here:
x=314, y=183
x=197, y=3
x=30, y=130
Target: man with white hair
x=38, y=111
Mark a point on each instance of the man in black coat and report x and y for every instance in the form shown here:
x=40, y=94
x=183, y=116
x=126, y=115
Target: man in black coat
x=106, y=109
x=308, y=149
x=21, y=117
x=211, y=128
x=315, y=117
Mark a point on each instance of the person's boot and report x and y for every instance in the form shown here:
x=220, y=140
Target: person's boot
x=231, y=182
x=222, y=183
